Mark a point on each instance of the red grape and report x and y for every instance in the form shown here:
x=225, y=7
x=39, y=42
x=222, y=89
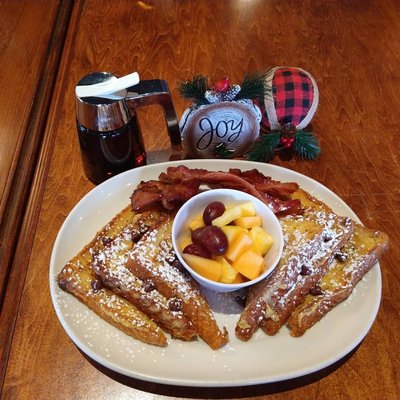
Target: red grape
x=197, y=250
x=212, y=238
x=212, y=211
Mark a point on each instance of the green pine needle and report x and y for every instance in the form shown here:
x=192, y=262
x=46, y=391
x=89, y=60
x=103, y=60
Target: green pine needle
x=306, y=145
x=222, y=151
x=195, y=89
x=252, y=87
x=264, y=147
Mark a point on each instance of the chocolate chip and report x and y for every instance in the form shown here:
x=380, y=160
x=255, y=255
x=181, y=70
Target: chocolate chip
x=316, y=291
x=178, y=265
x=135, y=236
x=175, y=304
x=105, y=240
x=305, y=270
x=97, y=285
x=62, y=283
x=341, y=257
x=241, y=300
x=148, y=286
x=327, y=237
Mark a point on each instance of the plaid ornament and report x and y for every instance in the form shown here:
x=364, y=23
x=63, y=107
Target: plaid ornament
x=292, y=98
x=290, y=102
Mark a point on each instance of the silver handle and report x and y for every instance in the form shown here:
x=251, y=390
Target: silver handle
x=156, y=91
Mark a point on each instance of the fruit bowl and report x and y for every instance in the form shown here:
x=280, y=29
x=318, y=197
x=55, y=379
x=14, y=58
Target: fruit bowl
x=192, y=211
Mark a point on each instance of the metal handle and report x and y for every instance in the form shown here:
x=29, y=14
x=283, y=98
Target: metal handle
x=155, y=91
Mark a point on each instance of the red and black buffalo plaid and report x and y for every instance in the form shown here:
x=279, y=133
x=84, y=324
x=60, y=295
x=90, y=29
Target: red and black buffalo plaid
x=293, y=95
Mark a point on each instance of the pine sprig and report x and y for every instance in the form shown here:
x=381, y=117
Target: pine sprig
x=306, y=145
x=222, y=151
x=264, y=147
x=252, y=87
x=195, y=89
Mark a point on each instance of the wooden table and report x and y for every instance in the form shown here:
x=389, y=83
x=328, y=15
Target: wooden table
x=29, y=57
x=352, y=49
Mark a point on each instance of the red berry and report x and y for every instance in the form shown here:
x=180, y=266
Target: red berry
x=222, y=85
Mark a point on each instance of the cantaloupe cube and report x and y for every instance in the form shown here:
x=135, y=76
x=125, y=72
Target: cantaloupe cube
x=206, y=267
x=228, y=272
x=241, y=243
x=249, y=264
x=262, y=240
x=197, y=223
x=239, y=278
x=248, y=222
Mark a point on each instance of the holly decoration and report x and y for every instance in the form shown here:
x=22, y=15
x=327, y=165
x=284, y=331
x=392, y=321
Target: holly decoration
x=195, y=89
x=285, y=141
x=201, y=92
x=282, y=87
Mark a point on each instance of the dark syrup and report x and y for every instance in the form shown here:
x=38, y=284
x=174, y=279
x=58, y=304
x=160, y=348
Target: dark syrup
x=106, y=154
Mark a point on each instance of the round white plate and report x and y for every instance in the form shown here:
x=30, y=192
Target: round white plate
x=263, y=359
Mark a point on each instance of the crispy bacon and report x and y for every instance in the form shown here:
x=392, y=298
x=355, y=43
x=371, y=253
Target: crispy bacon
x=170, y=196
x=179, y=184
x=266, y=184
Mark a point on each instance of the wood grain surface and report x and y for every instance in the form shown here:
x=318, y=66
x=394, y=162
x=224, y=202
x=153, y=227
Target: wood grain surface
x=18, y=93
x=29, y=63
x=23, y=48
x=352, y=48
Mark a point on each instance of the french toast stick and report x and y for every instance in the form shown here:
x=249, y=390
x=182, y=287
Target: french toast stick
x=110, y=264
x=354, y=260
x=307, y=237
x=153, y=259
x=78, y=279
x=337, y=231
x=298, y=245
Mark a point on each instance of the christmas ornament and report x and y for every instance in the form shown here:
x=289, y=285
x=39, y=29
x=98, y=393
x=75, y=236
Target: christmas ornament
x=223, y=121
x=290, y=103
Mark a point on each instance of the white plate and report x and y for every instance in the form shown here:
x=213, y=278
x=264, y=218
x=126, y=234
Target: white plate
x=263, y=359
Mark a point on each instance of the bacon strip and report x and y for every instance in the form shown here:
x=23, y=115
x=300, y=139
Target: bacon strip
x=178, y=184
x=266, y=184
